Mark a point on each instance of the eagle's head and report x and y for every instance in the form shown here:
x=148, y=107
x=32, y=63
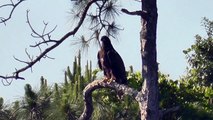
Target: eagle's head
x=106, y=43
x=105, y=39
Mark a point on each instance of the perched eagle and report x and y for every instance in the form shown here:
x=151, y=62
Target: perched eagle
x=111, y=62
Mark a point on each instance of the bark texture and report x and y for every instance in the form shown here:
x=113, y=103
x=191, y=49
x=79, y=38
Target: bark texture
x=149, y=108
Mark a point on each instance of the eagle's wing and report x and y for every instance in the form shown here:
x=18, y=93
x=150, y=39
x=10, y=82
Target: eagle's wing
x=100, y=58
x=116, y=62
x=117, y=66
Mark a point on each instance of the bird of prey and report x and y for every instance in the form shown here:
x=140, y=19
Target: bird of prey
x=111, y=62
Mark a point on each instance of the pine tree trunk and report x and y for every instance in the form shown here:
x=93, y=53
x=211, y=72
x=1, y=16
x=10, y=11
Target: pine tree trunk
x=149, y=108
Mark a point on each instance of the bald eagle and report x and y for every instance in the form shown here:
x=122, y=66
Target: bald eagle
x=111, y=62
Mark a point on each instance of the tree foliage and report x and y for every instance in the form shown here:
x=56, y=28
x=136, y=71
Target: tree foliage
x=100, y=19
x=200, y=56
x=188, y=96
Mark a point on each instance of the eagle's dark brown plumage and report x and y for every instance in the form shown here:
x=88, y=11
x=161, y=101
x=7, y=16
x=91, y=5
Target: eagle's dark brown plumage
x=111, y=62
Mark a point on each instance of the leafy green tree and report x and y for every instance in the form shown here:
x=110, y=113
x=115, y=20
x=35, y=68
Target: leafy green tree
x=199, y=80
x=187, y=100
x=193, y=92
x=200, y=56
x=4, y=112
x=31, y=105
x=34, y=105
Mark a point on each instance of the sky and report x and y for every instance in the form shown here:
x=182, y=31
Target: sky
x=178, y=22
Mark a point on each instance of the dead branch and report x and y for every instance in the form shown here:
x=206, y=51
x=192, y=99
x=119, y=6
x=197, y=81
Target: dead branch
x=50, y=48
x=98, y=84
x=6, y=82
x=169, y=110
x=164, y=112
x=14, y=6
x=45, y=36
x=143, y=14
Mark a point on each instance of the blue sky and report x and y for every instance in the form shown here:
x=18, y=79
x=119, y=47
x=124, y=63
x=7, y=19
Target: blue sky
x=178, y=22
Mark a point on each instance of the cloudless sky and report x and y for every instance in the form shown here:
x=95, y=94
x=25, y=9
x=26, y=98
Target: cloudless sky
x=178, y=22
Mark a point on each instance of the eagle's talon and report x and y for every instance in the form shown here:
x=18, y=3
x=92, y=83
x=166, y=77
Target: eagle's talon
x=106, y=80
x=120, y=95
x=109, y=81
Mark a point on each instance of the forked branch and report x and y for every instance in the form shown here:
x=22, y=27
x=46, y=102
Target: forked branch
x=56, y=43
x=14, y=6
x=98, y=84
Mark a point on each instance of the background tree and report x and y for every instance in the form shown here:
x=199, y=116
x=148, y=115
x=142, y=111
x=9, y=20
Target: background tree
x=192, y=94
x=200, y=56
x=4, y=113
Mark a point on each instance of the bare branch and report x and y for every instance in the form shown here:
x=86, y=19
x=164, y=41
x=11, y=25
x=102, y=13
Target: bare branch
x=6, y=82
x=47, y=50
x=138, y=0
x=20, y=60
x=98, y=84
x=138, y=13
x=170, y=110
x=11, y=77
x=28, y=55
x=45, y=36
x=44, y=42
x=131, y=13
x=13, y=5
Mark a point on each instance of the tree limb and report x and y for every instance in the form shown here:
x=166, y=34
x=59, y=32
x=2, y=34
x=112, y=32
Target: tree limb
x=98, y=84
x=2, y=19
x=139, y=96
x=169, y=110
x=143, y=14
x=47, y=50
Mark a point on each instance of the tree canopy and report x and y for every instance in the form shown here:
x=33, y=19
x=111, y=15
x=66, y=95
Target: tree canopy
x=200, y=55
